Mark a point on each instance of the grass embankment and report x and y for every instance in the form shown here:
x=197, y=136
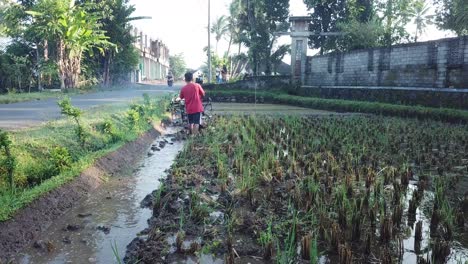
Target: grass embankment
x=10, y=98
x=420, y=112
x=53, y=154
x=347, y=188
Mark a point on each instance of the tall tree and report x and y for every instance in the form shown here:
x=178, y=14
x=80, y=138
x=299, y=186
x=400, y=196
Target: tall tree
x=452, y=15
x=178, y=66
x=115, y=17
x=422, y=18
x=326, y=15
x=3, y=7
x=219, y=28
x=74, y=31
x=260, y=20
x=361, y=35
x=396, y=15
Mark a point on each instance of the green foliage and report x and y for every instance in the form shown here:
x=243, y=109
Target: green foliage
x=422, y=19
x=178, y=66
x=420, y=112
x=61, y=159
x=396, y=15
x=8, y=164
x=325, y=18
x=134, y=118
x=366, y=23
x=258, y=22
x=72, y=30
x=41, y=168
x=115, y=16
x=361, y=35
x=452, y=15
x=68, y=109
x=16, y=67
x=266, y=237
x=75, y=113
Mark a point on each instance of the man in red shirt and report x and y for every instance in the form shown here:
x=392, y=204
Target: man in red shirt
x=192, y=93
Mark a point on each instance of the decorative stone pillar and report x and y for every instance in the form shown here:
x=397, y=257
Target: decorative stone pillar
x=299, y=42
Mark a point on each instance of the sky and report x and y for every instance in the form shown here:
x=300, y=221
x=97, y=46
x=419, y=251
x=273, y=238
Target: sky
x=182, y=25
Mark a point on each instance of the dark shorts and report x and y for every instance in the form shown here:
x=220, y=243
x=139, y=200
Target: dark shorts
x=194, y=118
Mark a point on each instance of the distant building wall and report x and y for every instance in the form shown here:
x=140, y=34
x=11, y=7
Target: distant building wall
x=434, y=64
x=154, y=58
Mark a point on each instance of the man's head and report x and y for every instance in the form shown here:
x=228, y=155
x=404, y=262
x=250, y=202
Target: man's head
x=188, y=77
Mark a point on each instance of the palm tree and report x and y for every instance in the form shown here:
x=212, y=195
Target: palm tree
x=421, y=18
x=461, y=17
x=219, y=29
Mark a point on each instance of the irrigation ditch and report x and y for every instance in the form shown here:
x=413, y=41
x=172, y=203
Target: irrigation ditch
x=72, y=222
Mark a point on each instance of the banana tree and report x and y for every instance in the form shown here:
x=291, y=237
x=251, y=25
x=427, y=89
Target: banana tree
x=74, y=31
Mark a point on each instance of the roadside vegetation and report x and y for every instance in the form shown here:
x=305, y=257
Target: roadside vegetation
x=10, y=98
x=303, y=189
x=14, y=97
x=386, y=109
x=51, y=155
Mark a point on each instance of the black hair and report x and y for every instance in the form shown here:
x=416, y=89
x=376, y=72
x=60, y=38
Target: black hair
x=189, y=77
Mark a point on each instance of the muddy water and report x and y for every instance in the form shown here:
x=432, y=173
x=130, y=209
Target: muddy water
x=109, y=218
x=458, y=251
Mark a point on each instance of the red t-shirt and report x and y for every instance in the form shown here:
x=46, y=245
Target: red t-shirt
x=192, y=93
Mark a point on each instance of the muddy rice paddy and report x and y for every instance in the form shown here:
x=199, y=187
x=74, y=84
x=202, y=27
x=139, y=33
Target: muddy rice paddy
x=344, y=189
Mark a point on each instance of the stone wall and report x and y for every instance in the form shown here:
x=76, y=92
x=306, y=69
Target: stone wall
x=434, y=64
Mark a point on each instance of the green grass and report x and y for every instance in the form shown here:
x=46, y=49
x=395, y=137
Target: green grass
x=37, y=172
x=420, y=112
x=23, y=97
x=10, y=98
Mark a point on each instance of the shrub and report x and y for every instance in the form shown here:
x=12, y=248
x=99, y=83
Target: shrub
x=9, y=162
x=133, y=117
x=39, y=172
x=61, y=159
x=75, y=113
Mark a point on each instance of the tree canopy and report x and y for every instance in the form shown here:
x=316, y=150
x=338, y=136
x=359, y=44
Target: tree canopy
x=177, y=64
x=452, y=15
x=366, y=23
x=72, y=42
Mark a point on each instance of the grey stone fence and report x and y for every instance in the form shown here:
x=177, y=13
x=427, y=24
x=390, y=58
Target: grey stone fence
x=434, y=64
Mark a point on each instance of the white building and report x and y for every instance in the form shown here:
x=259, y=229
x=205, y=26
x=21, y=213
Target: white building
x=154, y=58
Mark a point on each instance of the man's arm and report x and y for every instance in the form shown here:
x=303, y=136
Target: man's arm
x=181, y=95
x=201, y=91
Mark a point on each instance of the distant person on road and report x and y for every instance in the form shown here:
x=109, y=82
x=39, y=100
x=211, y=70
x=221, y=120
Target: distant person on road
x=224, y=73
x=218, y=75
x=193, y=94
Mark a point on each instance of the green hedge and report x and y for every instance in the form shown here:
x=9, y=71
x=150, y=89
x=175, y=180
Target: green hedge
x=420, y=112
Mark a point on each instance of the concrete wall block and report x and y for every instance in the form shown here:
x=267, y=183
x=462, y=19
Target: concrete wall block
x=415, y=65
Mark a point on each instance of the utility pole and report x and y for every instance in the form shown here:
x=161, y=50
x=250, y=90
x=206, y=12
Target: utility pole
x=209, y=41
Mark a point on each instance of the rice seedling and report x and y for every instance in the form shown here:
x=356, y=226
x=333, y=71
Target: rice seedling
x=266, y=239
x=328, y=183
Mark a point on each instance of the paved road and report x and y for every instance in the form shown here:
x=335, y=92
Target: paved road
x=32, y=113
